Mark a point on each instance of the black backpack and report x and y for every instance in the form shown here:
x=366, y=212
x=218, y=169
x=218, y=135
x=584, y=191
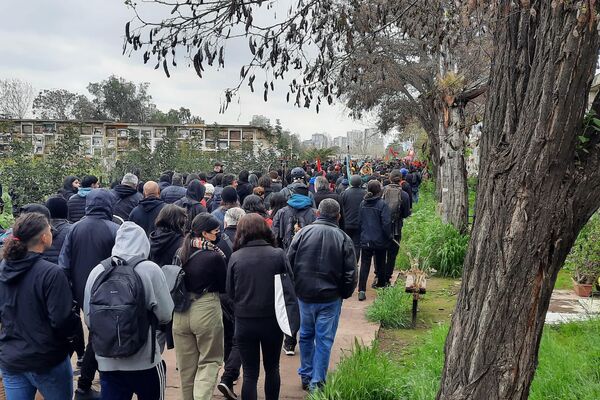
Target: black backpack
x=119, y=319
x=392, y=195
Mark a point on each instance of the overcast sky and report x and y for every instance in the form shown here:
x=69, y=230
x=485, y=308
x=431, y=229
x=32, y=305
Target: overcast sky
x=69, y=43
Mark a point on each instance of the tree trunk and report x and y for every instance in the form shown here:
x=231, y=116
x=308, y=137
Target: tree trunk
x=453, y=169
x=537, y=188
x=429, y=121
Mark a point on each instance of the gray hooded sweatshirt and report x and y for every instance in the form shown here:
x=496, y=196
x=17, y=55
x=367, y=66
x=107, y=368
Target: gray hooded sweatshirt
x=131, y=241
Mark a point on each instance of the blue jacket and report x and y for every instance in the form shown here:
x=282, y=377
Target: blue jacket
x=90, y=241
x=375, y=223
x=172, y=193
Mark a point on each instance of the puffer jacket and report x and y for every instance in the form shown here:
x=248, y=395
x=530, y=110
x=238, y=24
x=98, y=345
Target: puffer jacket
x=375, y=223
x=127, y=199
x=172, y=193
x=323, y=262
x=76, y=205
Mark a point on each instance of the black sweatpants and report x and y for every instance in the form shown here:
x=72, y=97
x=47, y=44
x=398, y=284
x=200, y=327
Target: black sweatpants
x=233, y=360
x=365, y=267
x=252, y=335
x=89, y=366
x=148, y=384
x=354, y=234
x=391, y=255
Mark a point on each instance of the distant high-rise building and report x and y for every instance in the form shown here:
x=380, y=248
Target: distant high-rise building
x=320, y=140
x=356, y=140
x=367, y=142
x=341, y=142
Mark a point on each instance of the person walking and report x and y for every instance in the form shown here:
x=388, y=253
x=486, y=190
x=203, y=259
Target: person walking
x=192, y=202
x=399, y=203
x=265, y=182
x=232, y=217
x=375, y=236
x=167, y=238
x=76, y=203
x=250, y=284
x=244, y=188
x=198, y=331
x=57, y=206
x=88, y=243
x=298, y=177
x=127, y=196
x=295, y=216
x=143, y=373
x=320, y=287
x=254, y=204
x=145, y=213
x=69, y=188
x=323, y=191
x=176, y=191
x=36, y=314
x=229, y=199
x=350, y=201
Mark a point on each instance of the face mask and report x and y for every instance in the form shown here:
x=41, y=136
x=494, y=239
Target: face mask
x=217, y=238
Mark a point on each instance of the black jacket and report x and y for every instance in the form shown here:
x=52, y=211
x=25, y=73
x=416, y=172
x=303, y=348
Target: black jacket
x=172, y=193
x=250, y=279
x=325, y=194
x=350, y=200
x=206, y=271
x=89, y=242
x=67, y=190
x=323, y=262
x=375, y=224
x=35, y=313
x=145, y=213
x=76, y=205
x=127, y=199
x=60, y=229
x=191, y=202
x=244, y=189
x=163, y=245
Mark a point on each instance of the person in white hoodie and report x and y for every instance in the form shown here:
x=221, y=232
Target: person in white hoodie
x=139, y=374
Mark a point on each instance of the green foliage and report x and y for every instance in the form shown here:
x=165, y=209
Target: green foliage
x=6, y=218
x=584, y=259
x=392, y=308
x=435, y=244
x=567, y=368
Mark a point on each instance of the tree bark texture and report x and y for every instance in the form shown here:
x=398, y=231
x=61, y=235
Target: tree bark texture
x=453, y=169
x=537, y=189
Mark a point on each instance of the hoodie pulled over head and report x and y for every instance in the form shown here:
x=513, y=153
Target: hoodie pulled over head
x=131, y=241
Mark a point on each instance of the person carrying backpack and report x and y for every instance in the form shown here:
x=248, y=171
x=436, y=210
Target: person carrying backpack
x=399, y=203
x=414, y=180
x=296, y=215
x=126, y=298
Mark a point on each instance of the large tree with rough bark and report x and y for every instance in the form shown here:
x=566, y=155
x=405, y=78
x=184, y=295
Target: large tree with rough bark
x=540, y=168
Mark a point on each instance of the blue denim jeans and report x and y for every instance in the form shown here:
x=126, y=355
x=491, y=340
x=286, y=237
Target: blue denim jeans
x=54, y=384
x=318, y=325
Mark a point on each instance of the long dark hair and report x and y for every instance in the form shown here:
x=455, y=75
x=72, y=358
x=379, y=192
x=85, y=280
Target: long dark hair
x=172, y=218
x=26, y=230
x=254, y=204
x=277, y=201
x=252, y=227
x=203, y=222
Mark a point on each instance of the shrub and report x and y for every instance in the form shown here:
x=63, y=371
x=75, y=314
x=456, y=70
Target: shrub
x=435, y=244
x=584, y=259
x=392, y=308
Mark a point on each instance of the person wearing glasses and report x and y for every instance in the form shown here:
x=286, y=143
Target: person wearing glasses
x=198, y=331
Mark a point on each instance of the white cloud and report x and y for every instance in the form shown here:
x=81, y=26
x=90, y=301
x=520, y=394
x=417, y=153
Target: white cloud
x=69, y=43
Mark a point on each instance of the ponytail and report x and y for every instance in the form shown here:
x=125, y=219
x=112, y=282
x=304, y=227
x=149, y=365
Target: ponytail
x=26, y=230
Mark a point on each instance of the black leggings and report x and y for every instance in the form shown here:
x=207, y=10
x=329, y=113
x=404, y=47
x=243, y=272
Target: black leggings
x=252, y=334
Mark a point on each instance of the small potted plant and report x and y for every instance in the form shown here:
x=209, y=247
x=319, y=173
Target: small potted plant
x=584, y=258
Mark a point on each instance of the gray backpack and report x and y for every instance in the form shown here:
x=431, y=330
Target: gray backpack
x=174, y=275
x=119, y=319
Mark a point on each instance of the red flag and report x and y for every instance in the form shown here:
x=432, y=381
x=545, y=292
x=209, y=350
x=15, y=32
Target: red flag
x=319, y=165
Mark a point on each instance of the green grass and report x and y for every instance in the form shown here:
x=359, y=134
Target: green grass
x=568, y=368
x=392, y=308
x=435, y=244
x=564, y=281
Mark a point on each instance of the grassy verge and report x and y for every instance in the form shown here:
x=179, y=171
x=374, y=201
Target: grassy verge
x=391, y=308
x=435, y=244
x=568, y=368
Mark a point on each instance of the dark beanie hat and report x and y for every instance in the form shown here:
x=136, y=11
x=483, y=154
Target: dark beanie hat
x=229, y=195
x=204, y=222
x=57, y=206
x=35, y=208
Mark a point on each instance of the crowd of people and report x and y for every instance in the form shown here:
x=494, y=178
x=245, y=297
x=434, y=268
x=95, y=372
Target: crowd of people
x=101, y=253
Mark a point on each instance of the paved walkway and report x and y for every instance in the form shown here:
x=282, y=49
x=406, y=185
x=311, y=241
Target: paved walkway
x=566, y=306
